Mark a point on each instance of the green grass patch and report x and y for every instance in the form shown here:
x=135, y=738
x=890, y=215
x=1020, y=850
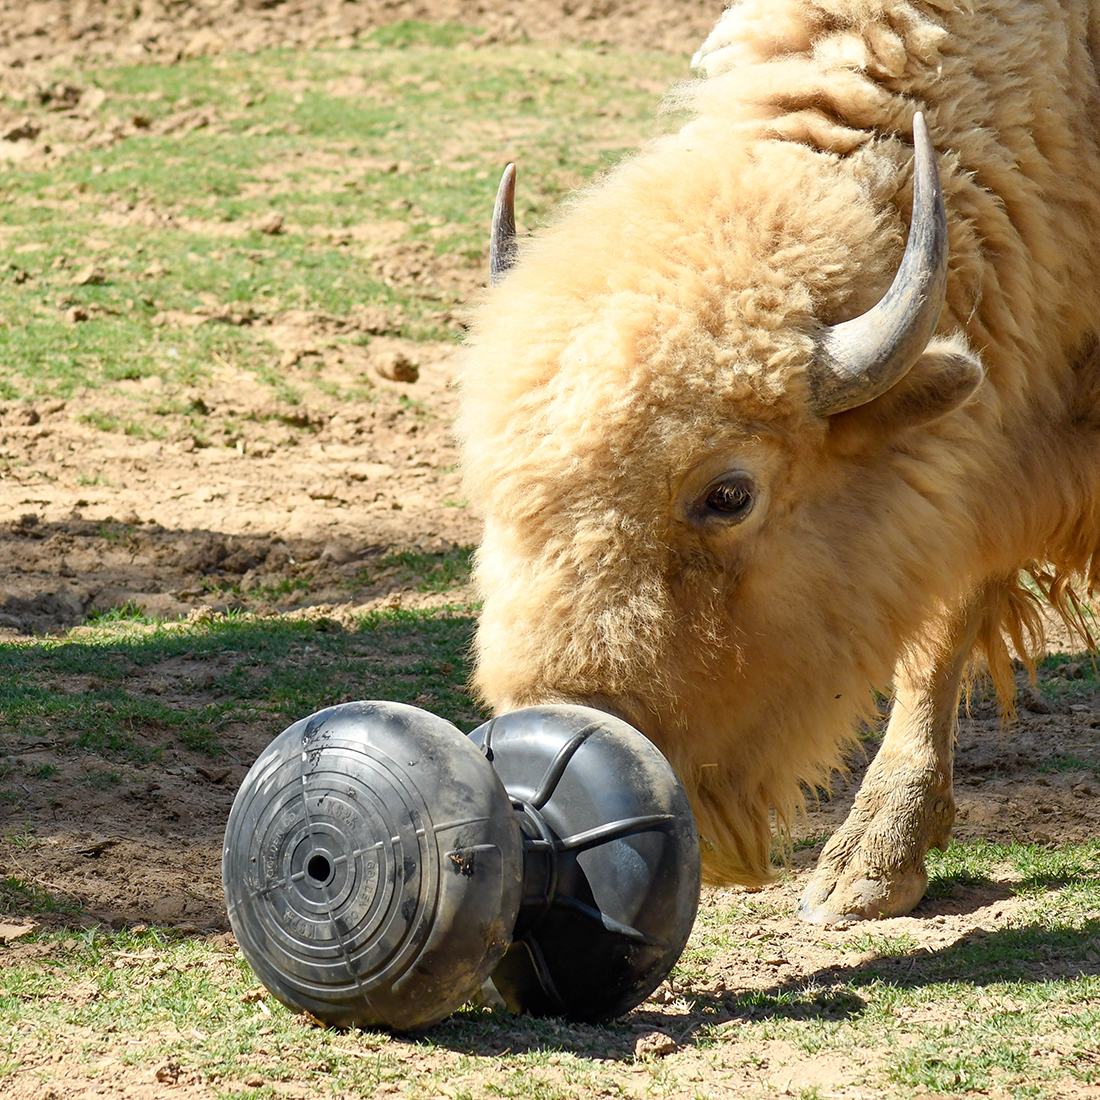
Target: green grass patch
x=1009, y=1008
x=97, y=689
x=439, y=572
x=19, y=898
x=102, y=780
x=1066, y=677
x=382, y=162
x=128, y=612
x=417, y=32
x=911, y=1021
x=155, y=998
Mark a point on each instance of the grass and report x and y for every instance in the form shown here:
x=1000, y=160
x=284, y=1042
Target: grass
x=20, y=898
x=381, y=161
x=1009, y=1010
x=440, y=572
x=198, y=1008
x=240, y=668
x=1014, y=1009
x=1067, y=677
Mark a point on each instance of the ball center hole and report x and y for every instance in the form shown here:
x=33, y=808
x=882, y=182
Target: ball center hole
x=318, y=868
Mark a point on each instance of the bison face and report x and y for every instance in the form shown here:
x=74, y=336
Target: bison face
x=684, y=488
x=612, y=581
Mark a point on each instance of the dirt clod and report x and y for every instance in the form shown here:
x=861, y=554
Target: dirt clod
x=168, y=1073
x=271, y=224
x=396, y=366
x=91, y=275
x=654, y=1044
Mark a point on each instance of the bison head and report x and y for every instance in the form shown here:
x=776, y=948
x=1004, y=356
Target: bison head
x=705, y=508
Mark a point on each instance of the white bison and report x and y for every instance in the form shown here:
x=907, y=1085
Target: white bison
x=740, y=463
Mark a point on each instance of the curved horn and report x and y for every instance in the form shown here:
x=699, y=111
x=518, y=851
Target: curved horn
x=502, y=240
x=862, y=358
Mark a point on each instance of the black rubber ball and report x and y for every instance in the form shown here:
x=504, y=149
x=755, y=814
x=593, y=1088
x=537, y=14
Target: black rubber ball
x=611, y=861
x=371, y=866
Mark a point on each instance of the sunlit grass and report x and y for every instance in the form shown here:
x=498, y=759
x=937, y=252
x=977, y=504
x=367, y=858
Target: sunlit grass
x=277, y=671
x=1012, y=1008
x=361, y=152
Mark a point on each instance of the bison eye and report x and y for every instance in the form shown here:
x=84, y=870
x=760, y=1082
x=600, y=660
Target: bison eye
x=730, y=497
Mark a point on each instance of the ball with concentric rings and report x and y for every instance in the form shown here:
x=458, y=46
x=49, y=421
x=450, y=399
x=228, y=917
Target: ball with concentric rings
x=370, y=866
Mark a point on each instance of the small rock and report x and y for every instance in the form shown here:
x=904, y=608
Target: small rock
x=253, y=1081
x=291, y=357
x=326, y=491
x=337, y=554
x=168, y=1073
x=90, y=276
x=13, y=929
x=92, y=98
x=396, y=366
x=76, y=314
x=1033, y=701
x=169, y=908
x=271, y=223
x=654, y=1044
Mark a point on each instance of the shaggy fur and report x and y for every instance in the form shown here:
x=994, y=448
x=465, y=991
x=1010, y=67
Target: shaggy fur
x=662, y=332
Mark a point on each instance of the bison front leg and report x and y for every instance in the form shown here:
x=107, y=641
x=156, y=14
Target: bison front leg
x=873, y=865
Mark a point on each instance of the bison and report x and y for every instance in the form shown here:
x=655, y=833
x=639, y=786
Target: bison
x=775, y=416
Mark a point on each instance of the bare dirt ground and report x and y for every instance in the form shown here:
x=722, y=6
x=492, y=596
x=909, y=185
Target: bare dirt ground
x=72, y=31
x=96, y=519
x=151, y=522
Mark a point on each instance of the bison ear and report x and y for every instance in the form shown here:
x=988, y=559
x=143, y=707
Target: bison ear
x=943, y=378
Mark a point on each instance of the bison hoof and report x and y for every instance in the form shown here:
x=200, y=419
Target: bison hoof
x=833, y=898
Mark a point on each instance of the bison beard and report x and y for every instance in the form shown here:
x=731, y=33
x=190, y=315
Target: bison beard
x=702, y=354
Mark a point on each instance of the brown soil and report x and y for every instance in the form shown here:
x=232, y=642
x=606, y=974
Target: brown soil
x=91, y=520
x=65, y=33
